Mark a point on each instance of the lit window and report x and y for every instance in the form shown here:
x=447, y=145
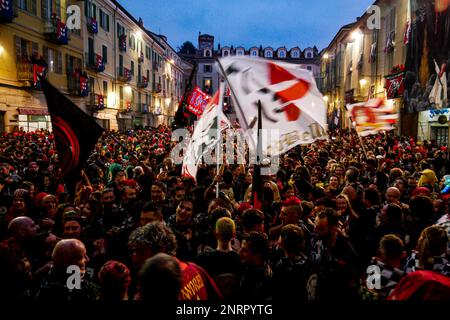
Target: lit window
x=268, y=54
x=295, y=54
x=240, y=53
x=282, y=54
x=254, y=53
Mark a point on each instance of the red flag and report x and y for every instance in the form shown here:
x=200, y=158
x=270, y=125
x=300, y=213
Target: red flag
x=198, y=101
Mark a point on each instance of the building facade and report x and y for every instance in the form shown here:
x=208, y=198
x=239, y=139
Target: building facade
x=208, y=75
x=395, y=62
x=113, y=68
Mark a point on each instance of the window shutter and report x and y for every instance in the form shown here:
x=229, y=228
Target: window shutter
x=58, y=8
x=107, y=22
x=105, y=54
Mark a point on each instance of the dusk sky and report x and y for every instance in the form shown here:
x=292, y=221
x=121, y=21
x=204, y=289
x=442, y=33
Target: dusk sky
x=273, y=23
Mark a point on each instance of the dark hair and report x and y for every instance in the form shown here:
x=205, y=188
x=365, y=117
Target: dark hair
x=372, y=196
x=331, y=215
x=160, y=278
x=251, y=218
x=328, y=203
x=149, y=207
x=391, y=246
x=352, y=174
x=422, y=208
x=161, y=185
x=259, y=243
x=394, y=214
x=216, y=214
x=292, y=239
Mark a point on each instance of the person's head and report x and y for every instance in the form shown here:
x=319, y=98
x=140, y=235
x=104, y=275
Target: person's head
x=292, y=239
x=422, y=208
x=333, y=181
x=338, y=170
x=129, y=194
x=179, y=194
x=153, y=238
x=291, y=214
x=412, y=182
x=225, y=229
x=108, y=197
x=391, y=250
x=288, y=191
x=149, y=214
x=185, y=210
x=23, y=229
x=160, y=279
x=350, y=192
x=392, y=214
x=158, y=191
x=216, y=214
x=49, y=205
x=114, y=279
x=69, y=252
x=433, y=242
x=20, y=198
x=371, y=197
x=400, y=184
x=352, y=175
x=326, y=224
x=72, y=228
x=343, y=203
x=393, y=195
x=255, y=249
x=253, y=220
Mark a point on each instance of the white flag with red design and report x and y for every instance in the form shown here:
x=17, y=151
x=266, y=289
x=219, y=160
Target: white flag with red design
x=293, y=109
x=372, y=116
x=206, y=135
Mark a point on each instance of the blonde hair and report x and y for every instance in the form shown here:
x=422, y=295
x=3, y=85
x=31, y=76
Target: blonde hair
x=225, y=229
x=350, y=210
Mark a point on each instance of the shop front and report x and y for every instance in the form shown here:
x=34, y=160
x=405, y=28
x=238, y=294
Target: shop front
x=434, y=126
x=32, y=119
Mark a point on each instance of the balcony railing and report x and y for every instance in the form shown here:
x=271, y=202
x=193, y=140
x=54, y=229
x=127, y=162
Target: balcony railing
x=124, y=74
x=94, y=101
x=25, y=71
x=157, y=88
x=142, y=82
x=56, y=31
x=94, y=62
x=142, y=107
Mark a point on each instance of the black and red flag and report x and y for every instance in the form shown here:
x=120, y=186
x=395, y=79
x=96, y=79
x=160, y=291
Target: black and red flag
x=75, y=134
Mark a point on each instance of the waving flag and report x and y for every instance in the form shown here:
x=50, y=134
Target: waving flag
x=6, y=10
x=372, y=116
x=75, y=132
x=99, y=65
x=144, y=82
x=61, y=33
x=292, y=107
x=93, y=26
x=206, y=135
x=39, y=72
x=198, y=101
x=84, y=88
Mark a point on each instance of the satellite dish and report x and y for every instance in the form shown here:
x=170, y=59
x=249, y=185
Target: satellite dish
x=442, y=119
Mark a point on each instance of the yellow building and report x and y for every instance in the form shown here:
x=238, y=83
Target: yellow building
x=31, y=35
x=133, y=76
x=357, y=60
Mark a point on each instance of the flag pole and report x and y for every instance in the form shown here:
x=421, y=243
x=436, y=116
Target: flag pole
x=257, y=194
x=219, y=136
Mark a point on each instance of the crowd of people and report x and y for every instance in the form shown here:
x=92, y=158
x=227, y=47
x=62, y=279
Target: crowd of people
x=136, y=229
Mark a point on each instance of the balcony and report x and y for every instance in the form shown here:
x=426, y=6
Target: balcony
x=77, y=87
x=157, y=88
x=124, y=74
x=142, y=82
x=96, y=102
x=142, y=107
x=92, y=26
x=25, y=71
x=94, y=62
x=56, y=31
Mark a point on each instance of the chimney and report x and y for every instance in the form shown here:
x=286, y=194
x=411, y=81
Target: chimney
x=141, y=22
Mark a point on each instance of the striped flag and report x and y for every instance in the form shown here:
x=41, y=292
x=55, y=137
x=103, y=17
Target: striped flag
x=373, y=116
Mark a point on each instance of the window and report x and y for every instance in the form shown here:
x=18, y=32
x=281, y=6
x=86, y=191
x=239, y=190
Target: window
x=240, y=53
x=46, y=9
x=72, y=63
x=295, y=54
x=226, y=53
x=254, y=53
x=104, y=20
x=207, y=68
x=105, y=54
x=147, y=52
x=132, y=68
x=105, y=88
x=309, y=68
x=54, y=60
x=27, y=5
x=309, y=55
x=120, y=30
x=25, y=49
x=207, y=85
x=268, y=54
x=207, y=53
x=282, y=54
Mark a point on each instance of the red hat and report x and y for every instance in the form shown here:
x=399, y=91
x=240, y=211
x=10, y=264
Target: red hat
x=292, y=201
x=129, y=183
x=420, y=190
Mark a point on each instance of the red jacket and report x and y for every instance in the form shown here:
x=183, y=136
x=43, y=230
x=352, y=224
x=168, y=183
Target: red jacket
x=422, y=285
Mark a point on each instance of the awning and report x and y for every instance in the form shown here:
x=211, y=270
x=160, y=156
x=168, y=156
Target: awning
x=33, y=111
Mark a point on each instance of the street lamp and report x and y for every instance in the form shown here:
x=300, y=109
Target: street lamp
x=326, y=56
x=363, y=82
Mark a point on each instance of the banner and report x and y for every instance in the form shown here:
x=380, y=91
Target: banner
x=39, y=72
x=206, y=135
x=75, y=132
x=144, y=82
x=372, y=116
x=61, y=33
x=84, y=88
x=198, y=101
x=395, y=85
x=293, y=109
x=99, y=65
x=6, y=10
x=93, y=26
